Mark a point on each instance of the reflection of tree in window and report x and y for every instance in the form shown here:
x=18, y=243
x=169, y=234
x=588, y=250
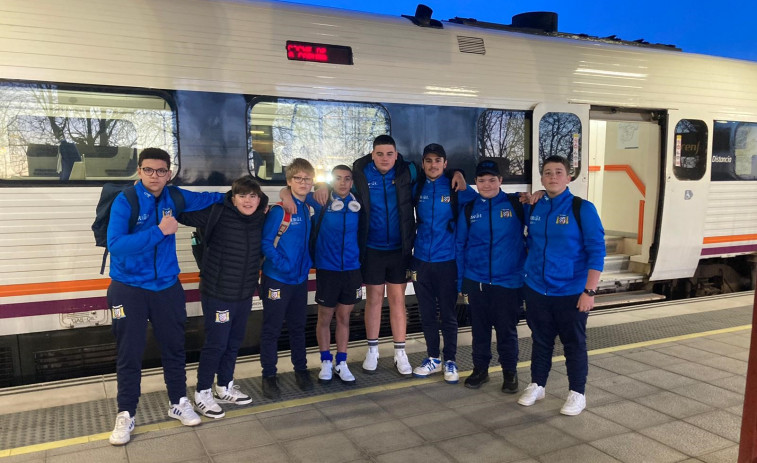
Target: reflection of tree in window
x=324, y=132
x=41, y=116
x=556, y=132
x=503, y=134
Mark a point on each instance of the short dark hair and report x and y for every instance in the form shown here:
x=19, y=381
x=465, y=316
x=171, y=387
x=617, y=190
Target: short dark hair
x=342, y=167
x=557, y=159
x=154, y=153
x=384, y=140
x=246, y=185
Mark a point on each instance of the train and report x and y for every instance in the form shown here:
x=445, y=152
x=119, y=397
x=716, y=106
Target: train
x=662, y=141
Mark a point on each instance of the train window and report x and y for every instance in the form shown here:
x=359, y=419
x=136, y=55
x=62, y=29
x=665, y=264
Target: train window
x=506, y=135
x=326, y=133
x=560, y=134
x=734, y=151
x=690, y=158
x=49, y=133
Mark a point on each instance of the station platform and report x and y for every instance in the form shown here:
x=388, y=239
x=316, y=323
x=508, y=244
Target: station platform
x=666, y=384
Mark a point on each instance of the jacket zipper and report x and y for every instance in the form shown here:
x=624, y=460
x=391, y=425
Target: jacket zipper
x=491, y=240
x=546, y=241
x=344, y=233
x=386, y=207
x=433, y=205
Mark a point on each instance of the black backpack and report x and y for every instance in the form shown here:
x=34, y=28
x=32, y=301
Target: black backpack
x=201, y=237
x=108, y=194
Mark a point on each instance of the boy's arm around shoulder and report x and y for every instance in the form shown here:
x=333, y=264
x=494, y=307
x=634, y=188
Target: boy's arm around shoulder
x=195, y=201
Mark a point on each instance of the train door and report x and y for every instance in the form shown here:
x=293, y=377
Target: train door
x=687, y=144
x=624, y=171
x=560, y=129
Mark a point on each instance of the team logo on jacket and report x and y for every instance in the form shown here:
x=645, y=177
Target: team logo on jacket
x=562, y=220
x=167, y=212
x=445, y=199
x=274, y=294
x=117, y=312
x=222, y=316
x=505, y=213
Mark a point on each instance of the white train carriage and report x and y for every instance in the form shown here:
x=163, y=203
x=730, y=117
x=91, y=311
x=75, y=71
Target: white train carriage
x=664, y=142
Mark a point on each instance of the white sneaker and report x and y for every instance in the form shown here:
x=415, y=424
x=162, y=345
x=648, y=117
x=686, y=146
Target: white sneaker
x=429, y=366
x=450, y=372
x=184, y=412
x=326, y=371
x=230, y=394
x=402, y=363
x=207, y=405
x=344, y=373
x=122, y=431
x=532, y=393
x=371, y=360
x=574, y=405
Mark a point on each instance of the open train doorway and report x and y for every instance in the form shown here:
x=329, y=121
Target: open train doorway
x=625, y=152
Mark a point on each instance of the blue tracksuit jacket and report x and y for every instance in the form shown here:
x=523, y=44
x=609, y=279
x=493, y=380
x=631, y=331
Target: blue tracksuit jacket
x=336, y=247
x=559, y=254
x=435, y=238
x=145, y=258
x=289, y=262
x=383, y=233
x=492, y=247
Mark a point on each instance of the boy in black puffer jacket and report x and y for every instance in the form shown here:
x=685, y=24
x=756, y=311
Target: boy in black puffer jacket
x=229, y=277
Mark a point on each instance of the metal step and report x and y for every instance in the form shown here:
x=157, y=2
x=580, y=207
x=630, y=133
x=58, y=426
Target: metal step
x=616, y=263
x=618, y=280
x=626, y=298
x=613, y=244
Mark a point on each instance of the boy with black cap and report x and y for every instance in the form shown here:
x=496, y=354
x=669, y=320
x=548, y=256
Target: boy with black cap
x=492, y=251
x=434, y=270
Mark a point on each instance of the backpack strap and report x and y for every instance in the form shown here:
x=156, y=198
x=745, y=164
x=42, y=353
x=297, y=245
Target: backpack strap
x=215, y=216
x=469, y=212
x=577, y=211
x=317, y=228
x=517, y=207
x=178, y=199
x=131, y=197
x=285, y=221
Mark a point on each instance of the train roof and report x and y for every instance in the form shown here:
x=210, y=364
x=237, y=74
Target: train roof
x=240, y=47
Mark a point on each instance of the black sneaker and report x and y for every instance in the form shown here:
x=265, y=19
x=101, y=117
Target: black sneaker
x=477, y=378
x=510, y=384
x=304, y=382
x=271, y=388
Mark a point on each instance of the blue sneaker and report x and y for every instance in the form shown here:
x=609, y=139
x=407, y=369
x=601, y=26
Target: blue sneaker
x=450, y=372
x=429, y=366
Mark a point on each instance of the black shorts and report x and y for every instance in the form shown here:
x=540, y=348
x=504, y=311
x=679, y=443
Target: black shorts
x=332, y=287
x=381, y=267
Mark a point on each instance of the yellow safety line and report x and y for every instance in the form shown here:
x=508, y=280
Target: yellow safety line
x=341, y=395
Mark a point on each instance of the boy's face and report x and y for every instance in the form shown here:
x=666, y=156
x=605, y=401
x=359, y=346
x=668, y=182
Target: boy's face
x=384, y=156
x=158, y=176
x=246, y=203
x=300, y=184
x=433, y=166
x=555, y=178
x=341, y=182
x=488, y=185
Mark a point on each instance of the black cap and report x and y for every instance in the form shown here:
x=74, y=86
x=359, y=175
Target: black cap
x=487, y=167
x=434, y=148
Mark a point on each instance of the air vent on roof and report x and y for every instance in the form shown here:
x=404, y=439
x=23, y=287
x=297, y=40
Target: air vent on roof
x=471, y=45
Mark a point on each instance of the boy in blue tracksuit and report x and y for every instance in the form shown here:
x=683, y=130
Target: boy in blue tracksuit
x=334, y=246
x=145, y=286
x=283, y=287
x=565, y=259
x=434, y=270
x=490, y=241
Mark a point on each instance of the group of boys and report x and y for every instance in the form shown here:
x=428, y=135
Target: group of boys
x=362, y=232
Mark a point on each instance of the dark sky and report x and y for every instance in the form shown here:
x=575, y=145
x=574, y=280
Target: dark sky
x=715, y=27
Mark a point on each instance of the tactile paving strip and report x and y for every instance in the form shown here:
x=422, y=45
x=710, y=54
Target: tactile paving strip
x=65, y=422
